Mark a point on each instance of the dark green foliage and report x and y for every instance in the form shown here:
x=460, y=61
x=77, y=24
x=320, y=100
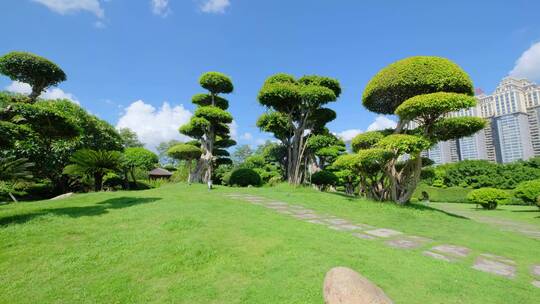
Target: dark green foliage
x=366, y=140
x=94, y=164
x=184, y=152
x=244, y=177
x=38, y=72
x=323, y=179
x=457, y=127
x=13, y=169
x=414, y=76
x=112, y=181
x=528, y=191
x=213, y=114
x=206, y=100
x=216, y=83
x=430, y=107
x=276, y=123
x=481, y=173
x=488, y=198
x=403, y=144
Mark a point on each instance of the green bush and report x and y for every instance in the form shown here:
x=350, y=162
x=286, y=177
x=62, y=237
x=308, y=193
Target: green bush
x=323, y=179
x=112, y=181
x=244, y=177
x=528, y=191
x=488, y=198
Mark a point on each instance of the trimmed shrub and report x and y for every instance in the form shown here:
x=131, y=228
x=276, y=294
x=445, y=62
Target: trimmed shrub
x=488, y=198
x=528, y=191
x=323, y=179
x=112, y=181
x=244, y=177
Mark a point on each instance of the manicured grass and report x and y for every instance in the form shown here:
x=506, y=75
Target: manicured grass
x=184, y=244
x=525, y=214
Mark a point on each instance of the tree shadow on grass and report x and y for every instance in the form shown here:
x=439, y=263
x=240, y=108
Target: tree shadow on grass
x=531, y=210
x=411, y=205
x=75, y=212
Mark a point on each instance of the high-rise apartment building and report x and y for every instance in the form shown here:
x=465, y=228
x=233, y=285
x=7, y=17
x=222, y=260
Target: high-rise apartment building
x=512, y=114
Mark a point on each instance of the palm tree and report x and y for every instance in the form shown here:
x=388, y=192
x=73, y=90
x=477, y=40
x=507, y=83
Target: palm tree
x=14, y=169
x=94, y=164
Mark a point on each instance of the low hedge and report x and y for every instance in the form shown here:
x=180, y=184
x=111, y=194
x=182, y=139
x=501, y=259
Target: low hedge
x=488, y=198
x=244, y=177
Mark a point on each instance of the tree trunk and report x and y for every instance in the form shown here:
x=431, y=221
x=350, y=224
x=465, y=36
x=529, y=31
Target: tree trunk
x=36, y=91
x=189, y=171
x=13, y=197
x=98, y=181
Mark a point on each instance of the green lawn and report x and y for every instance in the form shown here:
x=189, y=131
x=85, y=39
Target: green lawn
x=184, y=244
x=524, y=214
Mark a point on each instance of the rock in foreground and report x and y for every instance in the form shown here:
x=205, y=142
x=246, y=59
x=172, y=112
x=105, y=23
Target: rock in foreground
x=345, y=286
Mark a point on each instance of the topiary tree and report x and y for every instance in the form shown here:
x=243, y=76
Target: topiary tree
x=323, y=149
x=324, y=179
x=488, y=198
x=528, y=191
x=139, y=158
x=421, y=91
x=295, y=107
x=38, y=72
x=244, y=177
x=187, y=153
x=209, y=124
x=13, y=170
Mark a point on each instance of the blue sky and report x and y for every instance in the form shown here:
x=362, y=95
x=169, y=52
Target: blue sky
x=124, y=59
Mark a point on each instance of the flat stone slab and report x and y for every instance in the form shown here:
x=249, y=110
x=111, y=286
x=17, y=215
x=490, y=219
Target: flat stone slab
x=363, y=236
x=277, y=204
x=535, y=270
x=306, y=216
x=437, y=256
x=453, y=250
x=337, y=221
x=316, y=221
x=384, y=232
x=407, y=242
x=498, y=258
x=495, y=267
x=536, y=284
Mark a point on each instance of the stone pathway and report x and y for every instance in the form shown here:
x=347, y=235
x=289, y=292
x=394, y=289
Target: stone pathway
x=485, y=262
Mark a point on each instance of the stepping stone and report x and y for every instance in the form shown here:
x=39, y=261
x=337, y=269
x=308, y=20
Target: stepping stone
x=383, y=232
x=346, y=227
x=337, y=221
x=277, y=204
x=287, y=212
x=495, y=266
x=536, y=284
x=498, y=258
x=315, y=221
x=407, y=242
x=437, y=256
x=306, y=216
x=535, y=270
x=453, y=250
x=363, y=236
x=304, y=211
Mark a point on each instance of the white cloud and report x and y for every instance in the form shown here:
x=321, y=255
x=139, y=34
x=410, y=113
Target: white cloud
x=152, y=125
x=381, y=123
x=52, y=93
x=215, y=6
x=348, y=135
x=233, y=128
x=247, y=136
x=528, y=64
x=160, y=7
x=72, y=6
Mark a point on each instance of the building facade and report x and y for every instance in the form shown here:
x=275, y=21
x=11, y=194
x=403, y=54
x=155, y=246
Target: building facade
x=512, y=114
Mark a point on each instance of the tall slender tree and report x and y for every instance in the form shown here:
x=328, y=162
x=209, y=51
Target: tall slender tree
x=295, y=112
x=209, y=124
